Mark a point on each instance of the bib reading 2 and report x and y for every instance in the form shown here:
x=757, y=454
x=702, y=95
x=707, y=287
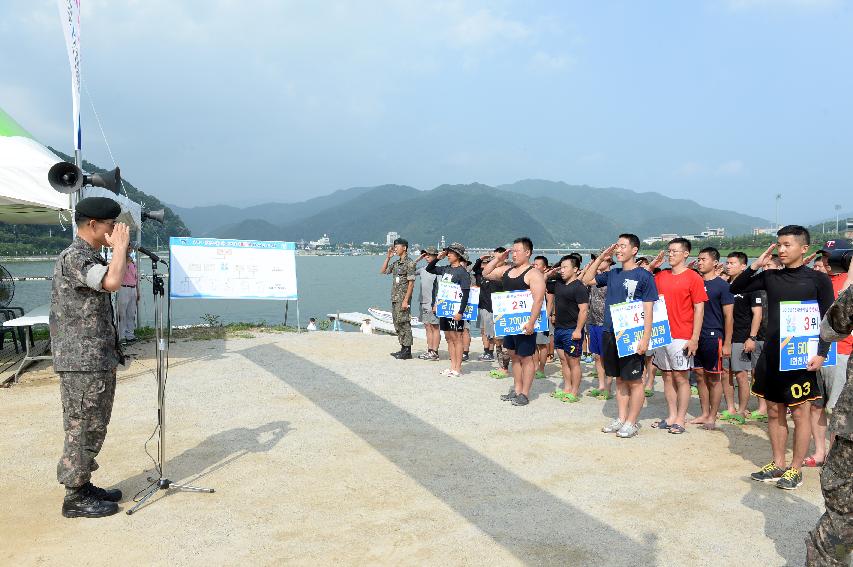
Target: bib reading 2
x=512, y=310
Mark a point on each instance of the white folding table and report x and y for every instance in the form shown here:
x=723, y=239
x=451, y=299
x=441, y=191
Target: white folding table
x=38, y=316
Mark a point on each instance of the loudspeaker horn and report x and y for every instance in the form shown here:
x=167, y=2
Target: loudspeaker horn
x=109, y=180
x=68, y=178
x=157, y=215
x=65, y=177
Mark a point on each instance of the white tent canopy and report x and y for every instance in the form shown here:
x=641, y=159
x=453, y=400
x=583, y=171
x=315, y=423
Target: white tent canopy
x=25, y=195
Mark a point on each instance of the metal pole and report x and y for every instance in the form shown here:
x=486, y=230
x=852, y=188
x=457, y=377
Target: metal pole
x=138, y=291
x=75, y=196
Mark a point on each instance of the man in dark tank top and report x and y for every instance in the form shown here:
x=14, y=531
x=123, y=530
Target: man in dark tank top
x=520, y=274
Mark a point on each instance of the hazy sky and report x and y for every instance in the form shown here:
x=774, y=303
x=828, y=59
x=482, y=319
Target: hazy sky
x=723, y=101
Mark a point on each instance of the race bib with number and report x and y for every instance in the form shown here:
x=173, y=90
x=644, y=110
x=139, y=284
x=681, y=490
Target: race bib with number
x=799, y=331
x=628, y=322
x=512, y=310
x=448, y=298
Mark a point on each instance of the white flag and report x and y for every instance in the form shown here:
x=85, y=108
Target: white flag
x=69, y=16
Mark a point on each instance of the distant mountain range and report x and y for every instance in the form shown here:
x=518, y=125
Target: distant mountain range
x=550, y=213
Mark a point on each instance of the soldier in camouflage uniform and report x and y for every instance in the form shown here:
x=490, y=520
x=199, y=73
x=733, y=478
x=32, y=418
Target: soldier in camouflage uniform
x=86, y=350
x=831, y=542
x=403, y=272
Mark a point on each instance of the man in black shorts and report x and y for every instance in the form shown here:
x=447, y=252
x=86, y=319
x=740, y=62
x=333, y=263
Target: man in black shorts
x=520, y=275
x=568, y=312
x=715, y=339
x=628, y=283
x=794, y=388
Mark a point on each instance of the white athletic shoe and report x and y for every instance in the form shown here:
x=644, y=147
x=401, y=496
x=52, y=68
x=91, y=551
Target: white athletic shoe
x=628, y=430
x=614, y=426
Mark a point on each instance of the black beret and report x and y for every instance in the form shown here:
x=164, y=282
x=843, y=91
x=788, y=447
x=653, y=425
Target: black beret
x=402, y=241
x=100, y=208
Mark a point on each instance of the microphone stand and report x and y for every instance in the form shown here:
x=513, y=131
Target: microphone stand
x=162, y=362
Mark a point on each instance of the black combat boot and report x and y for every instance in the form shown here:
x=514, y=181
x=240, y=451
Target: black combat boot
x=110, y=495
x=399, y=353
x=83, y=504
x=405, y=353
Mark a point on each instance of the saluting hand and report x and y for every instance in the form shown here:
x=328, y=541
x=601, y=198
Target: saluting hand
x=765, y=256
x=119, y=238
x=658, y=261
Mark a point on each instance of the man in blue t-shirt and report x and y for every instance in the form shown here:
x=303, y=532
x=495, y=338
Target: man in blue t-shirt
x=628, y=283
x=715, y=340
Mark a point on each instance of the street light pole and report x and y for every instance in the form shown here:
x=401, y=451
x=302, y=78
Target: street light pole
x=778, y=200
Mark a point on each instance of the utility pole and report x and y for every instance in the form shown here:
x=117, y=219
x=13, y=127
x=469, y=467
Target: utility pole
x=837, y=209
x=778, y=200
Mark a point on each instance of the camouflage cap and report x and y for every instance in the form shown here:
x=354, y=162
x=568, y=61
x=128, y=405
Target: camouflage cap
x=432, y=250
x=458, y=248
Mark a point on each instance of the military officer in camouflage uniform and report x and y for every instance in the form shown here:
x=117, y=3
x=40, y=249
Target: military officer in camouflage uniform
x=86, y=350
x=402, y=270
x=831, y=542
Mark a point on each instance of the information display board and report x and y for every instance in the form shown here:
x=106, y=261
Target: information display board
x=628, y=322
x=512, y=310
x=212, y=268
x=799, y=323
x=449, y=297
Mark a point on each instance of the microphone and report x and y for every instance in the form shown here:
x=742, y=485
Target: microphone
x=150, y=254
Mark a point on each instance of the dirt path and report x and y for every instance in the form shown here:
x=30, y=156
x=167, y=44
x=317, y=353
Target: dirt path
x=324, y=450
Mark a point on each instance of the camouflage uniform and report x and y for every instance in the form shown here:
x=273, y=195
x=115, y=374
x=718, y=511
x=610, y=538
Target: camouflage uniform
x=831, y=542
x=403, y=272
x=86, y=353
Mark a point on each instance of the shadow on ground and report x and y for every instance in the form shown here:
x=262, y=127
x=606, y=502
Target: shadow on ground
x=531, y=523
x=214, y=453
x=783, y=525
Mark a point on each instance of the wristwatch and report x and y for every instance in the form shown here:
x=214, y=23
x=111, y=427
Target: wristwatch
x=753, y=338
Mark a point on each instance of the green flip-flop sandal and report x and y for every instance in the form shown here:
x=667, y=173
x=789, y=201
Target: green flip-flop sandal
x=569, y=397
x=593, y=393
x=648, y=393
x=758, y=416
x=604, y=395
x=737, y=418
x=539, y=375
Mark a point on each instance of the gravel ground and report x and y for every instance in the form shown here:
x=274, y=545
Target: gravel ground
x=324, y=450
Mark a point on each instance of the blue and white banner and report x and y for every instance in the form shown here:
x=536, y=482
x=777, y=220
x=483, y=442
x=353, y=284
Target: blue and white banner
x=512, y=311
x=448, y=299
x=799, y=330
x=213, y=268
x=629, y=321
x=69, y=16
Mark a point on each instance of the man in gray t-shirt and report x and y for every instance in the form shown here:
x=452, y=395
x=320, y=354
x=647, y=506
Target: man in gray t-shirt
x=428, y=289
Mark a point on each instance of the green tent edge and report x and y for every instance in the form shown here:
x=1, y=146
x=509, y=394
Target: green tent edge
x=8, y=126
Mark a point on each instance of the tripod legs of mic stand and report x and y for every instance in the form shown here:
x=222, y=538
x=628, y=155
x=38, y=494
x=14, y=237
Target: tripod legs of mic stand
x=166, y=484
x=162, y=356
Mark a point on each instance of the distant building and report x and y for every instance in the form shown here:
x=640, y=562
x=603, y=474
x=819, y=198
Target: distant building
x=325, y=241
x=713, y=233
x=390, y=238
x=848, y=232
x=759, y=231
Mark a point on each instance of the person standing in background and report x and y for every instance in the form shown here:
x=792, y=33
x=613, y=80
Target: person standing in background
x=127, y=302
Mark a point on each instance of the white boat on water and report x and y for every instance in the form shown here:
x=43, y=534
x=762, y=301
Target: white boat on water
x=386, y=316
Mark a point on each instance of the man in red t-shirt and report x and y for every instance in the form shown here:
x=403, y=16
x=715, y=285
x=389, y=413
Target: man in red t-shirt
x=684, y=293
x=831, y=379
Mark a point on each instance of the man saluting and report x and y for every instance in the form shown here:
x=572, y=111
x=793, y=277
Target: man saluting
x=403, y=271
x=86, y=350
